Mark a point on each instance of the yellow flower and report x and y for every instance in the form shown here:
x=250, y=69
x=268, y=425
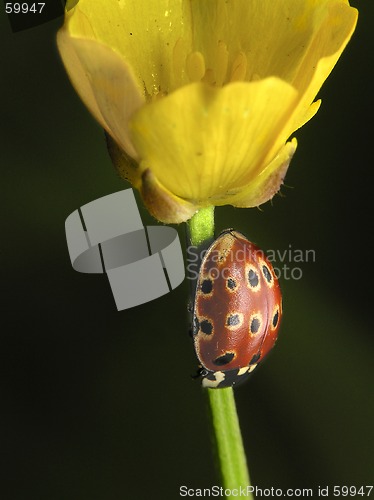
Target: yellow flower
x=199, y=97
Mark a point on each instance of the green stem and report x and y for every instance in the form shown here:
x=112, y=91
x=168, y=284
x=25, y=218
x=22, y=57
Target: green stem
x=224, y=420
x=201, y=226
x=228, y=439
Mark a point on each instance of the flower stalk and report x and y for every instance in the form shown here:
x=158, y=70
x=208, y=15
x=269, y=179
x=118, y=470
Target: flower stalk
x=227, y=439
x=225, y=429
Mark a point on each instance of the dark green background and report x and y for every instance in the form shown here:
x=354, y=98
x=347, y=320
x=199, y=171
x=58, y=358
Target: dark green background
x=99, y=404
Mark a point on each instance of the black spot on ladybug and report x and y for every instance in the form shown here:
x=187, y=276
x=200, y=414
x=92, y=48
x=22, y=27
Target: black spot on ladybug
x=224, y=359
x=255, y=325
x=267, y=273
x=252, y=278
x=206, y=327
x=233, y=320
x=275, y=319
x=255, y=358
x=231, y=284
x=207, y=286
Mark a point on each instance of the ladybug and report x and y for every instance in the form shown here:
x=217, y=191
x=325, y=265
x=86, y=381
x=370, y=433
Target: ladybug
x=237, y=310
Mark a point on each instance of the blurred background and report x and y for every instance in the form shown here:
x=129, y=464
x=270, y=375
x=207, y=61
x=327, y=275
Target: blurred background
x=99, y=404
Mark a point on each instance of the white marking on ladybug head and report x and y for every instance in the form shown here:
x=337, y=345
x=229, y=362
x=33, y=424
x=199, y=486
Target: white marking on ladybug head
x=219, y=377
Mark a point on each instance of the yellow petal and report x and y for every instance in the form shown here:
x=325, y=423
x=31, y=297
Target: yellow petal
x=143, y=33
x=162, y=204
x=302, y=115
x=333, y=24
x=333, y=28
x=105, y=84
x=268, y=183
x=283, y=39
x=126, y=166
x=201, y=142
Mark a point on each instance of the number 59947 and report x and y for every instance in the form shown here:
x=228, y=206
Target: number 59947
x=23, y=8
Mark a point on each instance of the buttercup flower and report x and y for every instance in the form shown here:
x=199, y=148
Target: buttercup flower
x=199, y=97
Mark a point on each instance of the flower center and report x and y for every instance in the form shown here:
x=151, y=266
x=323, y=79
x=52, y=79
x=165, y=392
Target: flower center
x=222, y=72
x=226, y=68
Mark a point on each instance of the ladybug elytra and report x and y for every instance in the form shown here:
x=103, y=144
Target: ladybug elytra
x=237, y=310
